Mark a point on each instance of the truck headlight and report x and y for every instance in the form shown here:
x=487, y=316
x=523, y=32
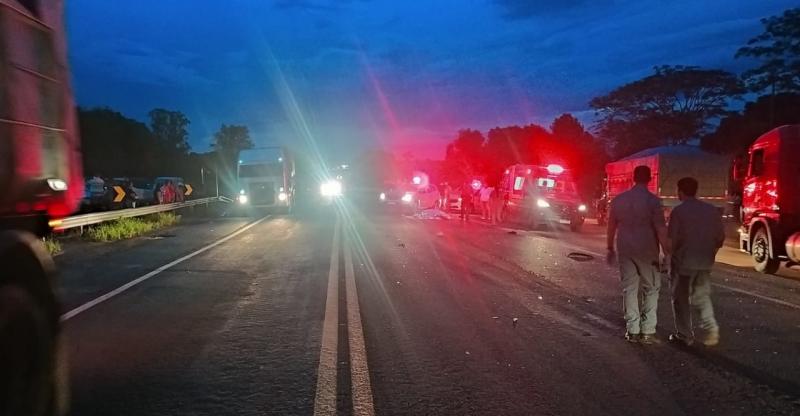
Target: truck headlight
x=57, y=184
x=331, y=188
x=282, y=196
x=243, y=199
x=407, y=197
x=581, y=208
x=541, y=203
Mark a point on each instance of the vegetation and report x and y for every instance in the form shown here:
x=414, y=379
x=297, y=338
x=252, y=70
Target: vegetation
x=52, y=245
x=125, y=228
x=673, y=106
x=777, y=50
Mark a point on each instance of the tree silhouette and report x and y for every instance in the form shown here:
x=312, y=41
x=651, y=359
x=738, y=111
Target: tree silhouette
x=673, y=106
x=778, y=51
x=170, y=129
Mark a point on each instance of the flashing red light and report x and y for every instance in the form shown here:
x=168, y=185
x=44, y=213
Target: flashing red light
x=507, y=172
x=476, y=185
x=416, y=180
x=555, y=169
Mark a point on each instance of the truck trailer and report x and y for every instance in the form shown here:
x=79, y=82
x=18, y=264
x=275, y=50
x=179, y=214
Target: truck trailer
x=668, y=164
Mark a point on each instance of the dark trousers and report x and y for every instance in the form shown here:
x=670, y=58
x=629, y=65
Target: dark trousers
x=465, y=209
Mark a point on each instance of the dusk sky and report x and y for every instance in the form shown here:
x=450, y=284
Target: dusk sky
x=405, y=75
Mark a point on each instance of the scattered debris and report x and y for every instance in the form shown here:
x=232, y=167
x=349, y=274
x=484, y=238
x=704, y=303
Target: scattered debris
x=402, y=245
x=495, y=317
x=512, y=232
x=514, y=322
x=467, y=352
x=540, y=297
x=432, y=214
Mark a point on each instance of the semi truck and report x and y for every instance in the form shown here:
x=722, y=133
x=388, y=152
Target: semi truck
x=770, y=230
x=668, y=164
x=265, y=177
x=40, y=183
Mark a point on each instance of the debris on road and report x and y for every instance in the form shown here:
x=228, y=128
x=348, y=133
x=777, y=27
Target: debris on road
x=513, y=232
x=514, y=322
x=432, y=214
x=401, y=245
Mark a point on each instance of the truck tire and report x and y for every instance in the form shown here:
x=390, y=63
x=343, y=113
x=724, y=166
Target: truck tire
x=763, y=263
x=32, y=381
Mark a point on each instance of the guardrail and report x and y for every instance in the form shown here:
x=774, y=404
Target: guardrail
x=82, y=220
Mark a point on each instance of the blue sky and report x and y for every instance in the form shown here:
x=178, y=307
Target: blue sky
x=404, y=75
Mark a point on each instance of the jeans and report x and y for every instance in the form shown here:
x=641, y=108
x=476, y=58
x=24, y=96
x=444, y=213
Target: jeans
x=640, y=279
x=691, y=294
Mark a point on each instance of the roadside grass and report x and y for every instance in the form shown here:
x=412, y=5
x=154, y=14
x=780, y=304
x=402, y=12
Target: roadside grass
x=125, y=228
x=52, y=245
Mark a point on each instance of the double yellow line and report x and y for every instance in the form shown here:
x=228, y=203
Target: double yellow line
x=361, y=389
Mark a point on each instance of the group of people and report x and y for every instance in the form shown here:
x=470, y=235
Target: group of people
x=637, y=237
x=169, y=193
x=490, y=200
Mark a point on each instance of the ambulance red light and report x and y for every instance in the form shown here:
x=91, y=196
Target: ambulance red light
x=416, y=180
x=476, y=185
x=555, y=169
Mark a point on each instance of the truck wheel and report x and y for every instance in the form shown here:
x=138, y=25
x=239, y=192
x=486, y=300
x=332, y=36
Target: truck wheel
x=31, y=382
x=760, y=252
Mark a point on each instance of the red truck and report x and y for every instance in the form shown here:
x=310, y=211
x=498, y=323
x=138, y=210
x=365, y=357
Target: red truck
x=40, y=182
x=770, y=229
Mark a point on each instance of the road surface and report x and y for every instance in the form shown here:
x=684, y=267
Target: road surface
x=341, y=312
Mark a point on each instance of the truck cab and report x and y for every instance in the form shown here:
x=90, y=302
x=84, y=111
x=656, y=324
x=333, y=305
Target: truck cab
x=542, y=194
x=770, y=229
x=265, y=179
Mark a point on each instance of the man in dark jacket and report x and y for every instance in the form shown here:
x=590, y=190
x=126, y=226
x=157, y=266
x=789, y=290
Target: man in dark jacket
x=696, y=234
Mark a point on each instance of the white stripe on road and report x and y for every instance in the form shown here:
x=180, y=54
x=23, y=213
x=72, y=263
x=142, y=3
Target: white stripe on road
x=325, y=399
x=88, y=305
x=359, y=371
x=756, y=295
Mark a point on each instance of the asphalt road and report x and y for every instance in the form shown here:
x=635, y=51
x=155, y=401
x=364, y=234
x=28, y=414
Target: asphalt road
x=340, y=312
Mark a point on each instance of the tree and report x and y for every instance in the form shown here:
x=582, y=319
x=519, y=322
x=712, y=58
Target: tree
x=170, y=129
x=114, y=145
x=232, y=139
x=673, y=106
x=737, y=131
x=584, y=155
x=778, y=51
x=463, y=157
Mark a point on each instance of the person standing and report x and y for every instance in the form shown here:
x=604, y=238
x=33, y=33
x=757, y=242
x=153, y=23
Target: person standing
x=485, y=196
x=466, y=202
x=636, y=223
x=496, y=206
x=696, y=234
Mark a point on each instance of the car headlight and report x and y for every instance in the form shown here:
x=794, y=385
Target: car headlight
x=382, y=196
x=243, y=199
x=407, y=197
x=241, y=192
x=331, y=188
x=581, y=208
x=282, y=196
x=541, y=203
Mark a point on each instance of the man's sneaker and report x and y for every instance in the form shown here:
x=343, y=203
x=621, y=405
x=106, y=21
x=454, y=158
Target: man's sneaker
x=681, y=339
x=631, y=337
x=711, y=339
x=649, y=339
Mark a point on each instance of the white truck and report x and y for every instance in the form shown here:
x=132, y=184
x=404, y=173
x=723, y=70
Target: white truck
x=265, y=178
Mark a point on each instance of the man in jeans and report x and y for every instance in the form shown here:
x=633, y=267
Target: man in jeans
x=636, y=219
x=696, y=234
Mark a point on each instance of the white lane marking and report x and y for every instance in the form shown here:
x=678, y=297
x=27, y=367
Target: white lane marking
x=325, y=398
x=756, y=295
x=88, y=305
x=359, y=371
